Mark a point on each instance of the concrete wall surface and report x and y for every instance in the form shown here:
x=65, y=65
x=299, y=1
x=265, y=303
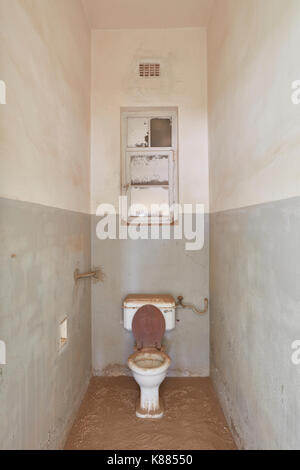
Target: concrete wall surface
x=45, y=124
x=150, y=267
x=253, y=59
x=45, y=153
x=41, y=385
x=255, y=302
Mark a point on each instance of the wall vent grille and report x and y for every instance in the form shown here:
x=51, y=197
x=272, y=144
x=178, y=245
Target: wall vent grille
x=149, y=70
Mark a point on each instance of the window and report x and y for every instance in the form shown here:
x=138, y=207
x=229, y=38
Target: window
x=149, y=164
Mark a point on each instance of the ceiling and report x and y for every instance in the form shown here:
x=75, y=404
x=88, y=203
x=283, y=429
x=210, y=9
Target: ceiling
x=124, y=14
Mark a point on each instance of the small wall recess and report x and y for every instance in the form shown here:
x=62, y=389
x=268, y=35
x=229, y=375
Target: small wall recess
x=2, y=353
x=63, y=333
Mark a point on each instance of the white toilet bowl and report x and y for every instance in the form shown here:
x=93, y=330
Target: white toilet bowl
x=149, y=367
x=148, y=317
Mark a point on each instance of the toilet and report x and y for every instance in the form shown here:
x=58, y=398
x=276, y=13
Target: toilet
x=148, y=317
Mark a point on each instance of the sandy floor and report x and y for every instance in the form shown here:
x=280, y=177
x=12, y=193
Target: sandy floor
x=193, y=418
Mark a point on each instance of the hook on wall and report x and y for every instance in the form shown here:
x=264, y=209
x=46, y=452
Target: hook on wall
x=97, y=274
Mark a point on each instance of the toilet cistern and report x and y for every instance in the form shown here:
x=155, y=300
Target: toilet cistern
x=148, y=317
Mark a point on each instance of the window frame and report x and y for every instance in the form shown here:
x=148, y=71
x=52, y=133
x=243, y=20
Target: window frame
x=149, y=113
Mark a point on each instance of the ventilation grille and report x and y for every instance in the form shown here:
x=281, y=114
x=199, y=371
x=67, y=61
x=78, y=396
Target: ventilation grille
x=149, y=70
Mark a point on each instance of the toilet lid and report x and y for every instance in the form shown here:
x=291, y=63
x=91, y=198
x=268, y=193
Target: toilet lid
x=148, y=327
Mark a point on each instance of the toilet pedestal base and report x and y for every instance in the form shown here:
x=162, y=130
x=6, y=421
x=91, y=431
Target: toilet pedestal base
x=149, y=367
x=156, y=413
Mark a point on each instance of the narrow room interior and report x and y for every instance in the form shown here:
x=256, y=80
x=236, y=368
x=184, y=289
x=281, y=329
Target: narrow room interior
x=150, y=224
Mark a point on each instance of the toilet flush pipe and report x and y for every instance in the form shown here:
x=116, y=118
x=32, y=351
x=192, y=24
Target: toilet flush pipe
x=180, y=304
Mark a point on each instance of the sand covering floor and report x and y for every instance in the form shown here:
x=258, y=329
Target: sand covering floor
x=193, y=418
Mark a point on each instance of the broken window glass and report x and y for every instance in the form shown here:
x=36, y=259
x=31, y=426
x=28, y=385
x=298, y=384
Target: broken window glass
x=161, y=132
x=149, y=169
x=137, y=132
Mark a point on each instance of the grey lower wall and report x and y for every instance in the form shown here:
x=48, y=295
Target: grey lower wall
x=149, y=266
x=255, y=317
x=40, y=386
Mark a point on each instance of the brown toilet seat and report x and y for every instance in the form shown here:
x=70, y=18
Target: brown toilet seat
x=148, y=327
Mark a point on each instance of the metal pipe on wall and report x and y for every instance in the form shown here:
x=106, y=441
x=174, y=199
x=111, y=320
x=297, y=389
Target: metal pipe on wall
x=180, y=304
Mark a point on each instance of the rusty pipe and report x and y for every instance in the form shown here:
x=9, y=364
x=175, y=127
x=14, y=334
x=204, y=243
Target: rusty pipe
x=97, y=275
x=180, y=304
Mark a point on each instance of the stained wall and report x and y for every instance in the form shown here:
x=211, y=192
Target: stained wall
x=45, y=221
x=253, y=59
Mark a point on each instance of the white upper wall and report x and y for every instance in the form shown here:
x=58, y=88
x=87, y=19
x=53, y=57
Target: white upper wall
x=254, y=129
x=45, y=63
x=115, y=84
x=123, y=14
